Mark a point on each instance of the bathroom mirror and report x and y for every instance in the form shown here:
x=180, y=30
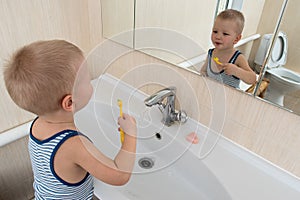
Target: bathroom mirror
x=118, y=20
x=190, y=19
x=193, y=20
x=282, y=66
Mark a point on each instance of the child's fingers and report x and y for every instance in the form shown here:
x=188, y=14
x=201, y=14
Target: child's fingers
x=126, y=119
x=127, y=123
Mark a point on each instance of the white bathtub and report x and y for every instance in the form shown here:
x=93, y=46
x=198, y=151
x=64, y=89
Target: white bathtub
x=216, y=168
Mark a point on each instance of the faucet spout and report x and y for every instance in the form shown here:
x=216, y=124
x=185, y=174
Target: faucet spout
x=167, y=108
x=159, y=96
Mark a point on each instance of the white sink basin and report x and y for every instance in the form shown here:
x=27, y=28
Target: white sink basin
x=215, y=168
x=170, y=171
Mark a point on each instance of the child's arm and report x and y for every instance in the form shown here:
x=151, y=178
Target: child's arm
x=126, y=156
x=240, y=69
x=114, y=172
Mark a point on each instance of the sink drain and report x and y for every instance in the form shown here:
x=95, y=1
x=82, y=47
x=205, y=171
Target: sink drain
x=146, y=163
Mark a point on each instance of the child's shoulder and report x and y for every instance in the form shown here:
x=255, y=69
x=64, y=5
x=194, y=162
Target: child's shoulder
x=242, y=61
x=240, y=55
x=43, y=131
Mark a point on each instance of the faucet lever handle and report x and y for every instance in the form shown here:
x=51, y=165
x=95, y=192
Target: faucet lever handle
x=181, y=116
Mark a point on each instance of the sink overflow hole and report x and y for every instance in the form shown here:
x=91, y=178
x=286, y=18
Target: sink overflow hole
x=158, y=136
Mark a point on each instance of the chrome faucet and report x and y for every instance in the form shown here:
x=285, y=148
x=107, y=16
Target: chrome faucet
x=168, y=108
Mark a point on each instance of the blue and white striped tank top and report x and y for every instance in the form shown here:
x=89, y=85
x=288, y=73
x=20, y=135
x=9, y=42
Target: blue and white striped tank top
x=47, y=184
x=222, y=76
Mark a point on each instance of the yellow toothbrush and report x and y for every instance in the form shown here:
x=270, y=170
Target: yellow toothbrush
x=216, y=59
x=121, y=114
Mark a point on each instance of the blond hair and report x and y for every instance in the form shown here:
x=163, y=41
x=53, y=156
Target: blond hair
x=39, y=75
x=237, y=16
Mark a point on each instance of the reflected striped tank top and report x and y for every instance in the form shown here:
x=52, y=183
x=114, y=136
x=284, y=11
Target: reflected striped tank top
x=47, y=184
x=222, y=76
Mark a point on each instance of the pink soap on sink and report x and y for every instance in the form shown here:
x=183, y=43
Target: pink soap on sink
x=192, y=137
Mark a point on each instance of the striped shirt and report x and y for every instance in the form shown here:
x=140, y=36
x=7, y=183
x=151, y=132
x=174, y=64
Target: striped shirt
x=47, y=184
x=222, y=76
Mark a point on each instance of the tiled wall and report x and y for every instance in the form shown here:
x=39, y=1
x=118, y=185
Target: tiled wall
x=23, y=22
x=16, y=176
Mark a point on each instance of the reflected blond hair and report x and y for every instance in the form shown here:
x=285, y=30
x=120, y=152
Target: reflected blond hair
x=39, y=75
x=235, y=15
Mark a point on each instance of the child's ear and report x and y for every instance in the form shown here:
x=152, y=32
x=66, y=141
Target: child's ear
x=67, y=103
x=238, y=37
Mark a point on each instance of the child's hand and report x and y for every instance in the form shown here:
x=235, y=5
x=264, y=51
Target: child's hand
x=127, y=124
x=230, y=69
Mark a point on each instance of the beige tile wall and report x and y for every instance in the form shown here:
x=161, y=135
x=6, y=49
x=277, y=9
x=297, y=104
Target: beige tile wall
x=267, y=23
x=291, y=28
x=288, y=26
x=16, y=176
x=22, y=22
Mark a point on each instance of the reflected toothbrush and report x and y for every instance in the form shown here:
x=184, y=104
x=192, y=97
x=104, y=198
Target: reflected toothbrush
x=121, y=114
x=216, y=59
